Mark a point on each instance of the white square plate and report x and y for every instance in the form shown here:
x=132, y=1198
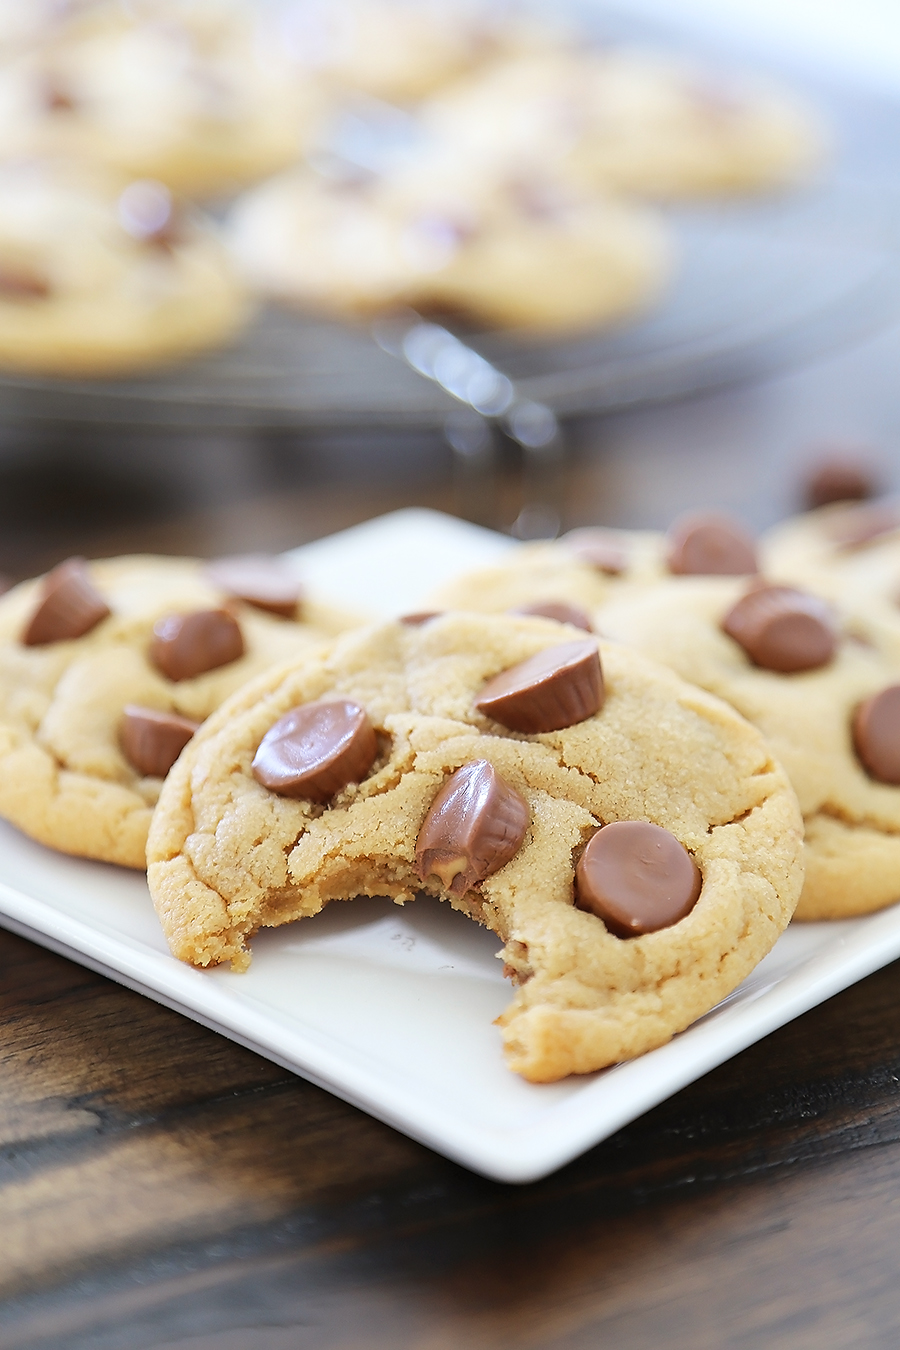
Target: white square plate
x=391, y=1008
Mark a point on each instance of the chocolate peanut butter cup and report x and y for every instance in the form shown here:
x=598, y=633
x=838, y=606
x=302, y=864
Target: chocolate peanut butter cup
x=637, y=878
x=69, y=606
x=474, y=826
x=258, y=579
x=152, y=740
x=553, y=689
x=316, y=749
x=876, y=735
x=783, y=629
x=710, y=544
x=185, y=645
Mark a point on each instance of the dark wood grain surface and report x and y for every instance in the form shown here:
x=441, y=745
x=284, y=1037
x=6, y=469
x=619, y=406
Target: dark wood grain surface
x=160, y=1187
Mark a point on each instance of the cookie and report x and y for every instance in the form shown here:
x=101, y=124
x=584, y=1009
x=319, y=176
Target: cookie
x=29, y=24
x=96, y=279
x=852, y=546
x=801, y=670
x=587, y=566
x=628, y=121
x=498, y=257
x=475, y=757
x=191, y=95
x=154, y=635
x=395, y=50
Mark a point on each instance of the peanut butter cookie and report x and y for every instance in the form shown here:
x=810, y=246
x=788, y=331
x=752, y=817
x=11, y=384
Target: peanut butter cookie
x=817, y=680
x=107, y=668
x=628, y=837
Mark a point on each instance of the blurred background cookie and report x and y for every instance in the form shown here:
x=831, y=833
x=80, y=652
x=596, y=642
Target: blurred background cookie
x=511, y=256
x=97, y=278
x=193, y=94
x=398, y=50
x=630, y=121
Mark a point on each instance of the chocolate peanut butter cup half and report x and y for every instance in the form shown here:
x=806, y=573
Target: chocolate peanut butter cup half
x=152, y=740
x=19, y=283
x=840, y=475
x=637, y=878
x=258, y=579
x=783, y=629
x=558, y=610
x=710, y=544
x=185, y=645
x=69, y=606
x=553, y=689
x=474, y=826
x=876, y=735
x=597, y=550
x=316, y=750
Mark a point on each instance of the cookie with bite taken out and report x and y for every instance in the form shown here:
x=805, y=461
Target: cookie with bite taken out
x=628, y=838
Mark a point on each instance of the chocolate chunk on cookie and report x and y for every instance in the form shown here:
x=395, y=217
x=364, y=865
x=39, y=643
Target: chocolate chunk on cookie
x=555, y=689
x=185, y=645
x=876, y=735
x=152, y=740
x=258, y=579
x=560, y=611
x=840, y=475
x=474, y=826
x=784, y=629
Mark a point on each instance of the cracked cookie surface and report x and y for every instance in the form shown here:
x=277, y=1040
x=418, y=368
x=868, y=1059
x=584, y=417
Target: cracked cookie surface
x=64, y=779
x=227, y=857
x=852, y=822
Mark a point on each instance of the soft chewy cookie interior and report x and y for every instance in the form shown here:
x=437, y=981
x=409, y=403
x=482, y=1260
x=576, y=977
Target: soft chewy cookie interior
x=228, y=855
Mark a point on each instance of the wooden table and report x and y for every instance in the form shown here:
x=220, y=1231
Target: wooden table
x=163, y=1188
